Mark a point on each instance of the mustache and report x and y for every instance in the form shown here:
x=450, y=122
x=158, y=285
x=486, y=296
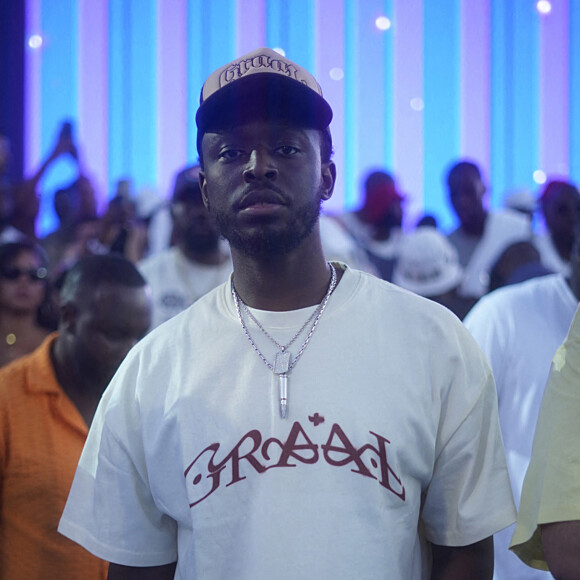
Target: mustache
x=253, y=194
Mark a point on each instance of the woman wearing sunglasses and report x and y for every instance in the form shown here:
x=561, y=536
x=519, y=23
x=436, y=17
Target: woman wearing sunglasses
x=24, y=295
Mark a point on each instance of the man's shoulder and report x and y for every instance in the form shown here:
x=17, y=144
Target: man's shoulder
x=403, y=310
x=525, y=299
x=507, y=220
x=30, y=373
x=537, y=288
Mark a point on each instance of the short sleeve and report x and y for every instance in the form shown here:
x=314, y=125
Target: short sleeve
x=551, y=491
x=470, y=474
x=110, y=509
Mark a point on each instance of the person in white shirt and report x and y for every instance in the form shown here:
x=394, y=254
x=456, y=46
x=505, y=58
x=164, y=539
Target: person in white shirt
x=196, y=263
x=304, y=419
x=377, y=225
x=482, y=235
x=520, y=327
x=559, y=204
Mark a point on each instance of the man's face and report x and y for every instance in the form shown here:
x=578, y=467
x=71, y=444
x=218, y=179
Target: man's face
x=561, y=212
x=193, y=226
x=263, y=183
x=466, y=193
x=107, y=326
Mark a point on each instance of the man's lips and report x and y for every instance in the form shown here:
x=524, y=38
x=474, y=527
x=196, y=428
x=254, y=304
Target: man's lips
x=262, y=199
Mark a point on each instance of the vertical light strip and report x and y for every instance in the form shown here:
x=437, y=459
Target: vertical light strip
x=441, y=120
x=250, y=25
x=171, y=92
x=330, y=55
x=351, y=181
x=276, y=29
x=214, y=46
x=32, y=89
x=408, y=85
x=218, y=18
x=143, y=98
x=59, y=96
x=474, y=109
x=194, y=63
x=119, y=92
x=370, y=113
x=525, y=93
x=553, y=90
x=93, y=93
x=502, y=99
x=574, y=76
x=300, y=26
x=388, y=105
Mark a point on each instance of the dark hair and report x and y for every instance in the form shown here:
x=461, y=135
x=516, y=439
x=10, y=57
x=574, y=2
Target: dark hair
x=46, y=315
x=326, y=149
x=462, y=167
x=552, y=188
x=11, y=250
x=89, y=273
x=377, y=178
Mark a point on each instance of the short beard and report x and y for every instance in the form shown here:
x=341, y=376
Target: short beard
x=263, y=244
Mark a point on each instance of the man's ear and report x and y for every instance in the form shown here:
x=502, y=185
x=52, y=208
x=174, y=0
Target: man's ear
x=328, y=179
x=67, y=318
x=203, y=187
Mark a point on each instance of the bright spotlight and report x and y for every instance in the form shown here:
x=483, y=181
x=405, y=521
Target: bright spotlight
x=35, y=41
x=383, y=23
x=417, y=104
x=539, y=176
x=544, y=6
x=336, y=73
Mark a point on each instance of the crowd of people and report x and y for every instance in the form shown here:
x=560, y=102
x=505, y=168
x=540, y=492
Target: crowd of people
x=292, y=338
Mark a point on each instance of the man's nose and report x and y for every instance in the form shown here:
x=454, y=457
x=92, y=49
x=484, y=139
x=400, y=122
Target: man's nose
x=260, y=166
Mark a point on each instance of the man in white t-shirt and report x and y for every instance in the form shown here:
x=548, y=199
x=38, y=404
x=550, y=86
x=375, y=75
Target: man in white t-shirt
x=376, y=225
x=520, y=327
x=197, y=261
x=559, y=203
x=304, y=420
x=482, y=235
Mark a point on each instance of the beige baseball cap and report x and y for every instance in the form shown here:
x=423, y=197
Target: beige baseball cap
x=262, y=83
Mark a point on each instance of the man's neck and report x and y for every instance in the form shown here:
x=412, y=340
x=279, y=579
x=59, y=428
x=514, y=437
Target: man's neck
x=282, y=283
x=17, y=322
x=475, y=228
x=84, y=393
x=563, y=245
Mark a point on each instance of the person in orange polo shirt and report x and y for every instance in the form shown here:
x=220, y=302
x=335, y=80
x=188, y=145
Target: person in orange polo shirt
x=47, y=402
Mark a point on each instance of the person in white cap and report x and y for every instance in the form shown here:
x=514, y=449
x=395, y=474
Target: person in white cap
x=428, y=265
x=303, y=420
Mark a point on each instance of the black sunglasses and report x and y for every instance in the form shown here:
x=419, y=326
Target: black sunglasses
x=13, y=273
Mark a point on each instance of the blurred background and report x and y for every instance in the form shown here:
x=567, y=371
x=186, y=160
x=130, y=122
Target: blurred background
x=414, y=84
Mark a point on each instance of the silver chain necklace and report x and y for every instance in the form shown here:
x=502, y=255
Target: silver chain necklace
x=282, y=363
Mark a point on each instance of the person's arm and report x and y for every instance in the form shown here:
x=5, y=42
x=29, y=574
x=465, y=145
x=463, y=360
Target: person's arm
x=118, y=572
x=473, y=562
x=561, y=545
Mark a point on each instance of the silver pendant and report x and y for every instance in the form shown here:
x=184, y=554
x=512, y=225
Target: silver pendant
x=283, y=385
x=282, y=362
